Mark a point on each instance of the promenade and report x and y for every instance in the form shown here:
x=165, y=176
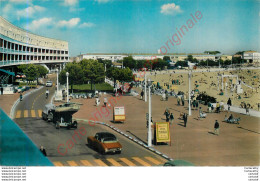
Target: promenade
x=236, y=145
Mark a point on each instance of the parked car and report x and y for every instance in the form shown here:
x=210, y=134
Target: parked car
x=49, y=83
x=105, y=142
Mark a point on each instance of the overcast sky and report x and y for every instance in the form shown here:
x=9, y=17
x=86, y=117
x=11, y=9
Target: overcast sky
x=131, y=26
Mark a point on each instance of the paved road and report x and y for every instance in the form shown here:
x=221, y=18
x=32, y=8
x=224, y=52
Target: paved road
x=28, y=117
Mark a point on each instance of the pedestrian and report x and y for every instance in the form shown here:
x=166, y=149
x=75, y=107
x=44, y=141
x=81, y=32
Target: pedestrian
x=197, y=104
x=247, y=108
x=178, y=100
x=229, y=103
x=43, y=151
x=182, y=100
x=171, y=118
x=2, y=90
x=105, y=101
x=217, y=107
x=21, y=96
x=147, y=122
x=216, y=127
x=185, y=119
x=167, y=116
x=142, y=95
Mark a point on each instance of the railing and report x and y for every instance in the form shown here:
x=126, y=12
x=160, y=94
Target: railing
x=19, y=62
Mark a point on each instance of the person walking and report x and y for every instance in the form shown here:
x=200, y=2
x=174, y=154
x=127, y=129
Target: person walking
x=185, y=118
x=171, y=118
x=216, y=127
x=21, y=96
x=182, y=100
x=178, y=100
x=42, y=149
x=167, y=114
x=229, y=103
x=217, y=107
x=142, y=94
x=247, y=108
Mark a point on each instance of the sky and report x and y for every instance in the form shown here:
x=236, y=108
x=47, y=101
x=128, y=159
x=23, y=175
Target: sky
x=145, y=26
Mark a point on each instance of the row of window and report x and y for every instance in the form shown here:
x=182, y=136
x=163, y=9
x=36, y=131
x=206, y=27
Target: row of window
x=13, y=46
x=11, y=57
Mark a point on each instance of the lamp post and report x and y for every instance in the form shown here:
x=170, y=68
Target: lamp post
x=57, y=70
x=67, y=75
x=189, y=92
x=145, y=91
x=150, y=114
x=189, y=74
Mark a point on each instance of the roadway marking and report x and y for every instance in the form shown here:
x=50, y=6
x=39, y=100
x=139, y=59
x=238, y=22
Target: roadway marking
x=36, y=99
x=25, y=113
x=86, y=163
x=33, y=113
x=58, y=164
x=18, y=114
x=128, y=162
x=141, y=161
x=156, y=162
x=114, y=163
x=100, y=162
x=72, y=163
x=40, y=113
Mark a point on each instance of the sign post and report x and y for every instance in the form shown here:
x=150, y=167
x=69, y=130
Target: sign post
x=162, y=131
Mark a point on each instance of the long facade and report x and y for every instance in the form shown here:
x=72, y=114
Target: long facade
x=18, y=46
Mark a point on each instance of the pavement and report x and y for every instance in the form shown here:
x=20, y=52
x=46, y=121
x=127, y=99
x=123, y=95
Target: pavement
x=236, y=145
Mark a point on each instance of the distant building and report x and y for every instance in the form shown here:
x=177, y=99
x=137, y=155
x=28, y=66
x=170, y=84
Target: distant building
x=251, y=55
x=116, y=57
x=237, y=56
x=199, y=57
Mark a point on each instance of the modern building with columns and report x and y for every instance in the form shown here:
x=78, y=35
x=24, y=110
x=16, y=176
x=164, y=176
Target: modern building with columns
x=18, y=46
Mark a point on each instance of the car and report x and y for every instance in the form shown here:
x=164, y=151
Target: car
x=61, y=115
x=49, y=83
x=105, y=142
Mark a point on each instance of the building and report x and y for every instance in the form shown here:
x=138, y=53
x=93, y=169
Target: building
x=116, y=57
x=18, y=46
x=251, y=56
x=199, y=57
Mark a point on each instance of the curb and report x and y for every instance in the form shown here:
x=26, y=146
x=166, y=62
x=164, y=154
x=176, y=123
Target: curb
x=129, y=137
x=18, y=100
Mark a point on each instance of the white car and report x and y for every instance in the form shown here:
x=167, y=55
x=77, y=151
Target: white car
x=49, y=83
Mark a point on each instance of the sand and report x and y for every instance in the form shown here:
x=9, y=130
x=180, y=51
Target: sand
x=209, y=83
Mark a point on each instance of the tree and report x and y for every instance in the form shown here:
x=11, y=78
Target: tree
x=93, y=71
x=30, y=71
x=75, y=74
x=123, y=75
x=42, y=70
x=181, y=63
x=212, y=52
x=107, y=62
x=129, y=62
x=165, y=58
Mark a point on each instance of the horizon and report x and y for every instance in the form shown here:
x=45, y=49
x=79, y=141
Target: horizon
x=141, y=27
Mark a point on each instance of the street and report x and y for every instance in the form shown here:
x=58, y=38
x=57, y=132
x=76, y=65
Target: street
x=28, y=117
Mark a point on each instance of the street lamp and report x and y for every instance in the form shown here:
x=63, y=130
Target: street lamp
x=57, y=70
x=67, y=75
x=189, y=74
x=145, y=91
x=150, y=113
